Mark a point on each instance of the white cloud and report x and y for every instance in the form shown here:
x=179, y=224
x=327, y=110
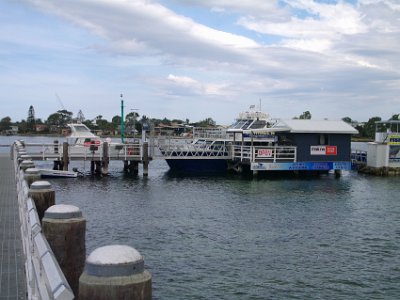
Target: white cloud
x=189, y=85
x=296, y=55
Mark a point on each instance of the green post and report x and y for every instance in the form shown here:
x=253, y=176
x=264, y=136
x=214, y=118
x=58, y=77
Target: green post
x=122, y=121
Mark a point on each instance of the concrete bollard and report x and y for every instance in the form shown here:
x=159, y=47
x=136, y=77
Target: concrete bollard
x=26, y=164
x=65, y=228
x=43, y=195
x=115, y=272
x=31, y=175
x=22, y=157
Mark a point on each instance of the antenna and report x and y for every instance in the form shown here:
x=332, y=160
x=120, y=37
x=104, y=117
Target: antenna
x=260, y=104
x=59, y=100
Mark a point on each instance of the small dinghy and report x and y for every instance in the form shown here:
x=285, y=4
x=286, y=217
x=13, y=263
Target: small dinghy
x=45, y=173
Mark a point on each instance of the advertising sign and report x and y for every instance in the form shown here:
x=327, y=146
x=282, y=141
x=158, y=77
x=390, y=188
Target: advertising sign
x=323, y=150
x=301, y=166
x=331, y=150
x=394, y=139
x=265, y=153
x=394, y=153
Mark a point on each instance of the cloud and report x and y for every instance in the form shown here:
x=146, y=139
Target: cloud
x=297, y=55
x=187, y=85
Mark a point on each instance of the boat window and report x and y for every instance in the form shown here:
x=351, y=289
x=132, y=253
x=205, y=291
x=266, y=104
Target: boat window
x=81, y=128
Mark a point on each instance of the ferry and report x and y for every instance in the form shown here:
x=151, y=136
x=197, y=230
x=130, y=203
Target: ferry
x=210, y=150
x=256, y=143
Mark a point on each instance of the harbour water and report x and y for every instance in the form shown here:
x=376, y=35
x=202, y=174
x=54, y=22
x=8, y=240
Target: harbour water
x=228, y=237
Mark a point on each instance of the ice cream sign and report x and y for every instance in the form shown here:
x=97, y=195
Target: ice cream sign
x=323, y=150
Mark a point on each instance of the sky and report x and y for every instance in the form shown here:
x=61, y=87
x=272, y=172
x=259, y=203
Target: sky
x=198, y=59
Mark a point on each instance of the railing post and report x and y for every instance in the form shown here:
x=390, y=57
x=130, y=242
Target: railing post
x=55, y=146
x=275, y=149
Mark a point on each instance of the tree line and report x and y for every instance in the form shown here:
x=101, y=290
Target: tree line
x=134, y=122
x=58, y=120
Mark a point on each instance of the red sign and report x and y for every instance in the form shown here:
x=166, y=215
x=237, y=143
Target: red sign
x=323, y=150
x=264, y=153
x=331, y=150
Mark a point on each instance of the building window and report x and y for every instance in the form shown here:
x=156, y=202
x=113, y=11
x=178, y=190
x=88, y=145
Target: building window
x=323, y=139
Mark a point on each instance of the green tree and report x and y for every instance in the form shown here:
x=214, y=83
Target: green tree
x=5, y=124
x=347, y=120
x=131, y=122
x=370, y=126
x=208, y=122
x=61, y=118
x=31, y=121
x=305, y=115
x=116, y=120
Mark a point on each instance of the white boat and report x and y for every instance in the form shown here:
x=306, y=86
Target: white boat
x=214, y=146
x=82, y=136
x=46, y=173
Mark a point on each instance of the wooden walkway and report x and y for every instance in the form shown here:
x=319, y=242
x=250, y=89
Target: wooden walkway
x=12, y=270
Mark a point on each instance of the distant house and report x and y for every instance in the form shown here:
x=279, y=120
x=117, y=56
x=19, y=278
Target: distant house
x=41, y=127
x=54, y=129
x=12, y=131
x=169, y=130
x=65, y=131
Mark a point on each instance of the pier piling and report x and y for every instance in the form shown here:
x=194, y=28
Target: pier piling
x=43, y=195
x=26, y=164
x=145, y=159
x=115, y=272
x=105, y=159
x=31, y=175
x=65, y=228
x=65, y=156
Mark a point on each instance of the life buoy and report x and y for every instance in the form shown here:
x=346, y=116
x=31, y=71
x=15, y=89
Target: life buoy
x=130, y=150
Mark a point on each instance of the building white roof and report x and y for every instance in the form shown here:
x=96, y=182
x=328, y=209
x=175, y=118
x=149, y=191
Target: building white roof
x=315, y=126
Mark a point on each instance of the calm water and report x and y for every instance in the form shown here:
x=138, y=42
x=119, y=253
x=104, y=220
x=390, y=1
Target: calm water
x=234, y=238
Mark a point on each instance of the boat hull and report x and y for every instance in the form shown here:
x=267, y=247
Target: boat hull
x=198, y=165
x=47, y=173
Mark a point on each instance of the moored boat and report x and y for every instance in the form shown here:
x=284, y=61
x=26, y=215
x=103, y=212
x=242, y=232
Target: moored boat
x=210, y=155
x=49, y=173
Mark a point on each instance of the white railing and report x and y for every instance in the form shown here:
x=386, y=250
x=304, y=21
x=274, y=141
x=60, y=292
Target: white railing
x=265, y=153
x=92, y=152
x=44, y=277
x=194, y=151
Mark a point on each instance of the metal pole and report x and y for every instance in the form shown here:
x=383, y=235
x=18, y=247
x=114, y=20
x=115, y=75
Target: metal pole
x=122, y=121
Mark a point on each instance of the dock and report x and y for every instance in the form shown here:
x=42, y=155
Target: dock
x=12, y=260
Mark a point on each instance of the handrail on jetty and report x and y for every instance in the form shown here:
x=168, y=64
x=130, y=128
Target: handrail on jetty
x=265, y=153
x=49, y=151
x=45, y=280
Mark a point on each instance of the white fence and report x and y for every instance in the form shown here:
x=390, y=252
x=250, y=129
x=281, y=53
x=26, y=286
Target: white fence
x=45, y=279
x=265, y=153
